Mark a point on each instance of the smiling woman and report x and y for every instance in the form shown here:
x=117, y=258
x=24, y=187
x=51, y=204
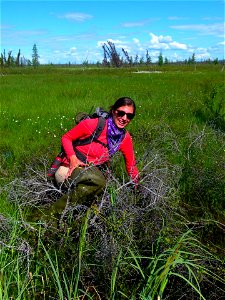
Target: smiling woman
x=113, y=138
x=84, y=166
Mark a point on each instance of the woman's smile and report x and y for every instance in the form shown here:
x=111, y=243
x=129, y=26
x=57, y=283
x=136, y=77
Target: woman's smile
x=123, y=115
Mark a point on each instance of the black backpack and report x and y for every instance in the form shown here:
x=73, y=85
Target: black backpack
x=99, y=113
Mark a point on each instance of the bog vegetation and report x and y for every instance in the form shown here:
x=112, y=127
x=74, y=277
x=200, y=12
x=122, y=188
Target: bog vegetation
x=164, y=241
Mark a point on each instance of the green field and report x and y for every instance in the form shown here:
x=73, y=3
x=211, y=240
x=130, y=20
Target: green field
x=167, y=240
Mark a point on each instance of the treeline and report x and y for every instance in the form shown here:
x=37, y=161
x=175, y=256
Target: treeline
x=8, y=60
x=111, y=58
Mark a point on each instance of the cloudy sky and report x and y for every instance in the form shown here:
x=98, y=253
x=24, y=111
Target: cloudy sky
x=74, y=31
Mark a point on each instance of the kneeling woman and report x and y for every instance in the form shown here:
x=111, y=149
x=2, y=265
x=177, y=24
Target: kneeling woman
x=85, y=174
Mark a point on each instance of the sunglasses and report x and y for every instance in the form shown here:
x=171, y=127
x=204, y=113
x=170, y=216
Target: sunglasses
x=121, y=113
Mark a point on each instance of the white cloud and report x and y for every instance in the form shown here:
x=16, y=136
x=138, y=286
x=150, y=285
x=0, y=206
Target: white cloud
x=175, y=18
x=176, y=45
x=133, y=24
x=205, y=29
x=73, y=50
x=164, y=39
x=160, y=41
x=78, y=17
x=154, y=39
x=202, y=56
x=165, y=43
x=138, y=23
x=201, y=50
x=136, y=41
x=29, y=32
x=117, y=43
x=212, y=18
x=201, y=53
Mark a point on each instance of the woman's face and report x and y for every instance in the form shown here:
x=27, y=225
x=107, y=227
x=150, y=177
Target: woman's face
x=123, y=115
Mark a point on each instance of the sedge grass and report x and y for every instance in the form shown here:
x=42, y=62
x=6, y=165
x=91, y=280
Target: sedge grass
x=14, y=253
x=82, y=243
x=177, y=261
x=114, y=277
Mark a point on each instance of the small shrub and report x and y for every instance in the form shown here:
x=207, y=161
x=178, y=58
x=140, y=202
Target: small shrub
x=214, y=101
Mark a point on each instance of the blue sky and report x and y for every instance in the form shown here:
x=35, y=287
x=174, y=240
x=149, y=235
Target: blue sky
x=74, y=31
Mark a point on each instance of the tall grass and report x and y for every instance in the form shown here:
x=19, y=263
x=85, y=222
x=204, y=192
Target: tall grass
x=15, y=251
x=177, y=261
x=154, y=276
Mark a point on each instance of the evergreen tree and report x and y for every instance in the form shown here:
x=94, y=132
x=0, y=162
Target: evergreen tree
x=35, y=56
x=141, y=62
x=166, y=61
x=148, y=58
x=136, y=60
x=160, y=59
x=193, y=58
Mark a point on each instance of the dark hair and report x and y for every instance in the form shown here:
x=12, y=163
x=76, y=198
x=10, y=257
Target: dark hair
x=123, y=101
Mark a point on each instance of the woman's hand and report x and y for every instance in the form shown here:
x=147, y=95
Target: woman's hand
x=74, y=163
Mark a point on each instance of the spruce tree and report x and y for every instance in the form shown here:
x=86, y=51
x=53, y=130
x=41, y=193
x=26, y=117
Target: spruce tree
x=35, y=56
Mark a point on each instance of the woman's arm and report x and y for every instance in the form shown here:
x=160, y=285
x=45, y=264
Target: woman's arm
x=81, y=130
x=127, y=149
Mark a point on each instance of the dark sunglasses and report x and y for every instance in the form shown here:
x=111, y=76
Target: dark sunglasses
x=121, y=113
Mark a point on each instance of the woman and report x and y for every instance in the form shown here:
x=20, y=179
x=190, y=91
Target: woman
x=113, y=135
x=85, y=179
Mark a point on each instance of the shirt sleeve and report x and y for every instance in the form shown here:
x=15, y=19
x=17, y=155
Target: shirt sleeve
x=127, y=150
x=82, y=130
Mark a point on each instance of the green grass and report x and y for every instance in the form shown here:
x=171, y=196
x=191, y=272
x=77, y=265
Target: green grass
x=36, y=109
x=132, y=252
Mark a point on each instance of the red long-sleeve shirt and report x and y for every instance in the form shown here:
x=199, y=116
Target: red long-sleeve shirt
x=95, y=152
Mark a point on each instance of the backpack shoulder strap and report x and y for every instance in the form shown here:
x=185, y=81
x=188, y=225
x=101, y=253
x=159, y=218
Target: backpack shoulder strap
x=99, y=128
x=94, y=136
